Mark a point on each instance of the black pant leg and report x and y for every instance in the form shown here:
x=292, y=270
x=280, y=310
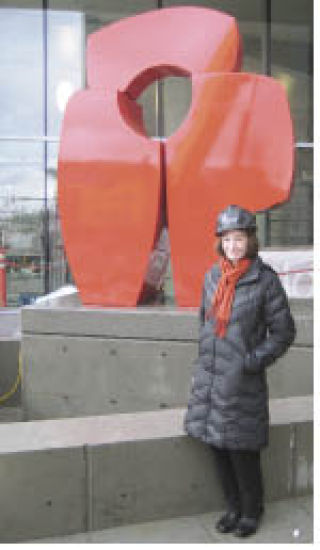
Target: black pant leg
x=227, y=478
x=247, y=468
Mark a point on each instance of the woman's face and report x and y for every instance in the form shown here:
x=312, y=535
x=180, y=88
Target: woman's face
x=234, y=244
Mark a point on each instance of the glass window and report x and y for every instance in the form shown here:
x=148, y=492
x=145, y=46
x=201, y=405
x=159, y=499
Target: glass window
x=22, y=173
x=69, y=25
x=21, y=218
x=22, y=234
x=59, y=273
x=102, y=12
x=165, y=104
x=66, y=63
x=52, y=170
x=149, y=100
x=21, y=77
x=24, y=266
x=292, y=59
x=58, y=267
x=292, y=223
x=176, y=102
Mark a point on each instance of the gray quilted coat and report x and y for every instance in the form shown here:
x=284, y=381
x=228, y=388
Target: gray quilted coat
x=228, y=406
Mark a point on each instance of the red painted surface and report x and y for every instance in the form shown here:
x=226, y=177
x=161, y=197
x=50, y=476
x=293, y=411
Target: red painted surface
x=109, y=187
x=133, y=52
x=235, y=146
x=109, y=171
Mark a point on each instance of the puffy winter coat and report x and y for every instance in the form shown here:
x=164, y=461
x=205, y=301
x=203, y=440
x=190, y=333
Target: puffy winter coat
x=228, y=407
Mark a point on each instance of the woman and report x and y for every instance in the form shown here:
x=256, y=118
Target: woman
x=245, y=325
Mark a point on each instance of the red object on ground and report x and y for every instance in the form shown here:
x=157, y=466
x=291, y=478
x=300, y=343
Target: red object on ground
x=3, y=278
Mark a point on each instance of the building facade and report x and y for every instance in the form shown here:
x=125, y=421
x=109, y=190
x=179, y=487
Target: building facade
x=42, y=57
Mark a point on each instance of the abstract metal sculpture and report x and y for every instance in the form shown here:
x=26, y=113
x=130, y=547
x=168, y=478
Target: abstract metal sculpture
x=235, y=146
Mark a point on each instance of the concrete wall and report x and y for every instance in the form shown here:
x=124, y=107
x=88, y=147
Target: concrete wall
x=9, y=364
x=10, y=322
x=81, y=361
x=10, y=335
x=66, y=476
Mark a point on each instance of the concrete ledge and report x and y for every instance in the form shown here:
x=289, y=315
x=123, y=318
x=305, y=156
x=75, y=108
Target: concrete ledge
x=162, y=323
x=66, y=476
x=120, y=428
x=143, y=322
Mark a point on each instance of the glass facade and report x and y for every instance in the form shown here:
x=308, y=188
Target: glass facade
x=42, y=56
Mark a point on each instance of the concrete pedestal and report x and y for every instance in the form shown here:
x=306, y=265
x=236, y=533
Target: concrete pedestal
x=93, y=361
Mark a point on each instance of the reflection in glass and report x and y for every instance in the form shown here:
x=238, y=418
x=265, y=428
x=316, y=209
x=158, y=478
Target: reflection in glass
x=165, y=105
x=66, y=52
x=21, y=76
x=149, y=101
x=21, y=217
x=21, y=174
x=291, y=57
x=103, y=12
x=52, y=171
x=69, y=25
x=59, y=273
x=292, y=224
x=176, y=102
x=22, y=233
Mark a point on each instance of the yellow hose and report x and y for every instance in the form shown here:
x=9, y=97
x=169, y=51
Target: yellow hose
x=17, y=381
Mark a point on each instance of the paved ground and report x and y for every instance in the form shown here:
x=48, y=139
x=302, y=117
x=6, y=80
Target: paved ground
x=286, y=521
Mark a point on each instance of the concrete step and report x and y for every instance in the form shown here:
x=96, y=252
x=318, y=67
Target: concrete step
x=60, y=477
x=155, y=323
x=285, y=521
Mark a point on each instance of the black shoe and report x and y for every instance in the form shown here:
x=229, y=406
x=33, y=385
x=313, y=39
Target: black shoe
x=228, y=522
x=246, y=527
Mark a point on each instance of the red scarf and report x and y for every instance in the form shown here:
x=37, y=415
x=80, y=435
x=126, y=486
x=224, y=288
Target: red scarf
x=224, y=295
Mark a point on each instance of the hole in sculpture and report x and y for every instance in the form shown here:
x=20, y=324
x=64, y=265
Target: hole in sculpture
x=165, y=104
x=157, y=101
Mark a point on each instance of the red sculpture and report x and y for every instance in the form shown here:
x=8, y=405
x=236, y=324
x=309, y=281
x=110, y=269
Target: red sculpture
x=235, y=146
